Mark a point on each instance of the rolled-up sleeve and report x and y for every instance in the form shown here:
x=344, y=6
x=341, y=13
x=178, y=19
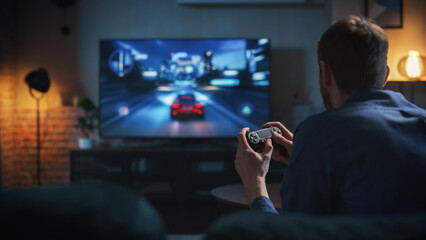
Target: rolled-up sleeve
x=264, y=205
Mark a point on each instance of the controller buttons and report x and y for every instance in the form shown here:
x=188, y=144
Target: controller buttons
x=254, y=138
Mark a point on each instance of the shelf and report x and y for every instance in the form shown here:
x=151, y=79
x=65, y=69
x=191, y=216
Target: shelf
x=405, y=81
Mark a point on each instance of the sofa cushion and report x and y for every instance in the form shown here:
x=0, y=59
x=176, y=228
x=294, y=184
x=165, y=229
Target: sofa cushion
x=75, y=211
x=254, y=225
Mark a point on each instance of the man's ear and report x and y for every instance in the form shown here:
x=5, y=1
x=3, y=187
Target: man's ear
x=326, y=74
x=386, y=76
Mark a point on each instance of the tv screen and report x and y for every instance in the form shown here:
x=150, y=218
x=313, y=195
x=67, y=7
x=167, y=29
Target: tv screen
x=183, y=88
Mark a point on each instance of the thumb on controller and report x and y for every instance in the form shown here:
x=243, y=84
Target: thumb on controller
x=281, y=140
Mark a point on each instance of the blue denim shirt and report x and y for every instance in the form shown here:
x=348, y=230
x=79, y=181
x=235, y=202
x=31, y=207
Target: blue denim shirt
x=366, y=157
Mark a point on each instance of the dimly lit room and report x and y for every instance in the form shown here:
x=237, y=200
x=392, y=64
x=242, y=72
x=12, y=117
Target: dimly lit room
x=132, y=119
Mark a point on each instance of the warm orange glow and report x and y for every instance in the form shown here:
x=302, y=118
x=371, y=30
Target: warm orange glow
x=412, y=66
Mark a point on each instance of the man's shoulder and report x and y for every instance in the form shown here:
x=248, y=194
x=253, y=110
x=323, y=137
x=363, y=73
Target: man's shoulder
x=327, y=119
x=369, y=106
x=365, y=111
x=321, y=126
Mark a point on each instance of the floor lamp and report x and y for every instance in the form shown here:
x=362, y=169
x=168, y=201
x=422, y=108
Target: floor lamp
x=38, y=80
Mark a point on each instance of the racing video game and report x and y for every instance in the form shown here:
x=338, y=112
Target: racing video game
x=183, y=88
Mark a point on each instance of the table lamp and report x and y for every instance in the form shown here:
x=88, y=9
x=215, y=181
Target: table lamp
x=412, y=66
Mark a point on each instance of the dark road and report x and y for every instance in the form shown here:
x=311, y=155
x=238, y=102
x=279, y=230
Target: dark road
x=148, y=114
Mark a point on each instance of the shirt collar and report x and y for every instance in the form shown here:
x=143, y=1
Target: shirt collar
x=360, y=95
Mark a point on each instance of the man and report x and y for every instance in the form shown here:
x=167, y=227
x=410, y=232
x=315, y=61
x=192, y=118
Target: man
x=366, y=154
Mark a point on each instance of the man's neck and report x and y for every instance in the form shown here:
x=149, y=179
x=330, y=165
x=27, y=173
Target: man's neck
x=337, y=97
x=338, y=100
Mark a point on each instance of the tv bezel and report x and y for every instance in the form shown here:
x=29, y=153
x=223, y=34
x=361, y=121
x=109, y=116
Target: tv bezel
x=180, y=139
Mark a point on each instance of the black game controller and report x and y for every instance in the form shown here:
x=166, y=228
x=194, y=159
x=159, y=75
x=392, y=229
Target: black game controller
x=257, y=139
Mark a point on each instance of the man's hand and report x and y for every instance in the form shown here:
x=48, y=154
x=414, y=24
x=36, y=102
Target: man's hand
x=252, y=166
x=286, y=140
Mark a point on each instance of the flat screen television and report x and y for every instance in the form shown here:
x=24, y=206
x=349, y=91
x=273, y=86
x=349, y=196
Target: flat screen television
x=183, y=88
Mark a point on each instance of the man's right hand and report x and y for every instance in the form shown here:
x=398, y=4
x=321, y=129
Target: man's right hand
x=286, y=140
x=252, y=166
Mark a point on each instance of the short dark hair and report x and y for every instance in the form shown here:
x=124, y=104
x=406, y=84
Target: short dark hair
x=356, y=50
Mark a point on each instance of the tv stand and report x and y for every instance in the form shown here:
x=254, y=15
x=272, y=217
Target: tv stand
x=177, y=172
x=171, y=143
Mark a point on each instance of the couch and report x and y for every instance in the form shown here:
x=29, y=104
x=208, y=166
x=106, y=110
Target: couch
x=253, y=225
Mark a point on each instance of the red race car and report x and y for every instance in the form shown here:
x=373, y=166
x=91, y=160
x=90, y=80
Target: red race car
x=186, y=105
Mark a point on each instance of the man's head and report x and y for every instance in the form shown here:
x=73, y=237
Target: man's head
x=355, y=50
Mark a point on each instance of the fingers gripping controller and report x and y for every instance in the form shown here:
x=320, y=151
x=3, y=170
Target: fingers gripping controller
x=257, y=139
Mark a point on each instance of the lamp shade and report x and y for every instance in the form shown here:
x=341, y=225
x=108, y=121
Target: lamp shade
x=412, y=66
x=38, y=80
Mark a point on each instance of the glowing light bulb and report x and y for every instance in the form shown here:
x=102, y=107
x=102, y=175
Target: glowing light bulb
x=413, y=66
